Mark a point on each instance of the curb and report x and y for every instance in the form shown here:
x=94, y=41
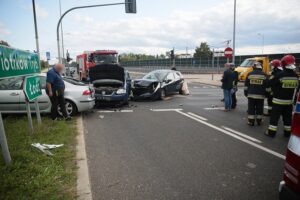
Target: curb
x=83, y=182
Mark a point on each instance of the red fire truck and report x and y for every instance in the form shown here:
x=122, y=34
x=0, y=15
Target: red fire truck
x=91, y=58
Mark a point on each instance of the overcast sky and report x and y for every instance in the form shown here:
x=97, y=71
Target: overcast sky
x=158, y=26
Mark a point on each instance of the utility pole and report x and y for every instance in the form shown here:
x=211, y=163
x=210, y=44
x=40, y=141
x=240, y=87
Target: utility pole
x=262, y=42
x=62, y=35
x=36, y=104
x=233, y=41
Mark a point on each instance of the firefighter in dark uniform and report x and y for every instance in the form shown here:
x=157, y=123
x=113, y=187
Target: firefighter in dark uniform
x=276, y=68
x=255, y=91
x=284, y=87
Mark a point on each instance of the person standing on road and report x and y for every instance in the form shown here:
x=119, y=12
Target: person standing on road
x=227, y=84
x=255, y=91
x=284, y=87
x=235, y=86
x=276, y=68
x=55, y=88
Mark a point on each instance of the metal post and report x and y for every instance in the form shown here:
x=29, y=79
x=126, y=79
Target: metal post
x=37, y=109
x=62, y=34
x=30, y=126
x=3, y=142
x=213, y=64
x=75, y=8
x=233, y=41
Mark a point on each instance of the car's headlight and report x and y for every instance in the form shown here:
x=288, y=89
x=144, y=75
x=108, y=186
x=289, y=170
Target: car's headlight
x=121, y=91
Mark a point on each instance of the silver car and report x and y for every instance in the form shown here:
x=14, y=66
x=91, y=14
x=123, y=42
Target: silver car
x=79, y=96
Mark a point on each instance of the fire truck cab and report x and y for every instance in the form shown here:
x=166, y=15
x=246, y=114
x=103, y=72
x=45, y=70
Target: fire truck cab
x=91, y=58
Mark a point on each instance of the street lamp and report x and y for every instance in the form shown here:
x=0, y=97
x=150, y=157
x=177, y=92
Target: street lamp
x=262, y=42
x=233, y=39
x=130, y=7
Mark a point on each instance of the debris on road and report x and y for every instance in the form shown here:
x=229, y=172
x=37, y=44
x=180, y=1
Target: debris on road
x=101, y=116
x=46, y=147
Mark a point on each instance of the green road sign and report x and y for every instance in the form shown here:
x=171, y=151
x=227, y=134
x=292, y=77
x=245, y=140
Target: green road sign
x=32, y=88
x=14, y=62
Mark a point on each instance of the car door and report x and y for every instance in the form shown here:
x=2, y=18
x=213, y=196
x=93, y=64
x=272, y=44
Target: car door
x=10, y=92
x=43, y=100
x=178, y=81
x=169, y=81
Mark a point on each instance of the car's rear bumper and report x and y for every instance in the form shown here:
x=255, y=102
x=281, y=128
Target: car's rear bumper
x=286, y=193
x=85, y=105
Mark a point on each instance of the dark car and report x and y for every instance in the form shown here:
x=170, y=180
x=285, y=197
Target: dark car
x=157, y=85
x=111, y=83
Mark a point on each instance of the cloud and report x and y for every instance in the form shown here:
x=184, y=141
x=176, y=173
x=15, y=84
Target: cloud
x=279, y=24
x=41, y=12
x=4, y=30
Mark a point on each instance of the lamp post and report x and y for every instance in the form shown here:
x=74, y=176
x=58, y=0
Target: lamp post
x=62, y=33
x=262, y=42
x=76, y=8
x=233, y=39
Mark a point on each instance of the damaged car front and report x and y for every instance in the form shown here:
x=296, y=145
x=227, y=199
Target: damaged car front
x=111, y=83
x=157, y=85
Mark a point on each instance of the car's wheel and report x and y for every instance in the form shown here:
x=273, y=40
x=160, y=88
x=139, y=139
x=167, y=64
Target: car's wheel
x=70, y=108
x=162, y=94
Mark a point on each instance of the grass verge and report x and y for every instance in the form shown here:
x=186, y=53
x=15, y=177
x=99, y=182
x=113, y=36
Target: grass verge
x=33, y=174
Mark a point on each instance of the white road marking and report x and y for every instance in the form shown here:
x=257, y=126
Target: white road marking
x=242, y=134
x=114, y=111
x=234, y=136
x=214, y=108
x=197, y=116
x=166, y=110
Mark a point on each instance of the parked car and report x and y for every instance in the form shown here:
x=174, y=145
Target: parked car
x=157, y=84
x=79, y=96
x=111, y=83
x=289, y=188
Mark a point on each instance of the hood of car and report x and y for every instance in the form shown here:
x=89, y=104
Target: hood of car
x=144, y=82
x=107, y=71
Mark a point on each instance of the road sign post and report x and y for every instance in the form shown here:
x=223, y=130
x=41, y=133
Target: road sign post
x=3, y=142
x=32, y=91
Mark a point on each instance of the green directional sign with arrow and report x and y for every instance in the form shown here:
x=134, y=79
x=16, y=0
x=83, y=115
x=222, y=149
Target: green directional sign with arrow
x=32, y=88
x=15, y=62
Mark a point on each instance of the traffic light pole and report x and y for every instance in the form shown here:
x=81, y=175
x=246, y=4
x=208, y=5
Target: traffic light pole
x=76, y=8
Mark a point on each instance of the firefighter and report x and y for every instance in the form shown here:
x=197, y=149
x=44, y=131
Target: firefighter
x=276, y=68
x=284, y=87
x=255, y=91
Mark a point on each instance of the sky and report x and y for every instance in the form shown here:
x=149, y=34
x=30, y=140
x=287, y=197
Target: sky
x=158, y=26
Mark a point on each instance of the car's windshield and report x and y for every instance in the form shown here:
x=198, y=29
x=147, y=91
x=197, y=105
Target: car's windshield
x=105, y=58
x=156, y=75
x=247, y=63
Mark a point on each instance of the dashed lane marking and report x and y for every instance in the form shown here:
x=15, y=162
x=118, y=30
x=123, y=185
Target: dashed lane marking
x=242, y=134
x=197, y=116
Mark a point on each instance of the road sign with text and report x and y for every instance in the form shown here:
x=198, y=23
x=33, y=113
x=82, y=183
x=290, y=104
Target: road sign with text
x=32, y=88
x=14, y=62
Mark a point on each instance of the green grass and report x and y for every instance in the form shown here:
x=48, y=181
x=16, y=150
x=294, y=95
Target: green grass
x=33, y=174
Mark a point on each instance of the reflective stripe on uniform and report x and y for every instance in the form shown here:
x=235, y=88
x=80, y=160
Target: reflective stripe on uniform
x=272, y=128
x=289, y=78
x=287, y=128
x=258, y=116
x=257, y=76
x=256, y=96
x=251, y=117
x=282, y=101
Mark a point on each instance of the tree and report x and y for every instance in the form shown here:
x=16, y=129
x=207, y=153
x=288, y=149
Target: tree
x=4, y=43
x=44, y=64
x=202, y=51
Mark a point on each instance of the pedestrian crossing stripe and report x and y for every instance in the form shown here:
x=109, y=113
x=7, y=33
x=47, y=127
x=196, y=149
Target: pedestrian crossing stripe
x=297, y=109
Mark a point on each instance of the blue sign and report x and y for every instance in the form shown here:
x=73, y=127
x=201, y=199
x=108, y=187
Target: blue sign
x=48, y=55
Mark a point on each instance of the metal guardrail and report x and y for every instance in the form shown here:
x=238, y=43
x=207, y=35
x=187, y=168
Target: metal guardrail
x=184, y=70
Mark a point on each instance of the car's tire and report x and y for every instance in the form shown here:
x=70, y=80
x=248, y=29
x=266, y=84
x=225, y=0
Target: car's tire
x=70, y=107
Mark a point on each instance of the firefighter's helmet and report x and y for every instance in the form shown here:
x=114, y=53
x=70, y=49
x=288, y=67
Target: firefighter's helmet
x=276, y=63
x=288, y=62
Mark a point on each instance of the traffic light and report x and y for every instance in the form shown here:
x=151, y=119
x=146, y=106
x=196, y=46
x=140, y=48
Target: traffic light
x=172, y=54
x=130, y=6
x=68, y=57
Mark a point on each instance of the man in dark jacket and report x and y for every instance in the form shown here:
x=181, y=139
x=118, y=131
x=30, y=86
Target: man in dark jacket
x=227, y=84
x=255, y=91
x=284, y=87
x=55, y=88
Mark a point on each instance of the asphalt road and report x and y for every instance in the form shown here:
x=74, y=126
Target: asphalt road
x=182, y=148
